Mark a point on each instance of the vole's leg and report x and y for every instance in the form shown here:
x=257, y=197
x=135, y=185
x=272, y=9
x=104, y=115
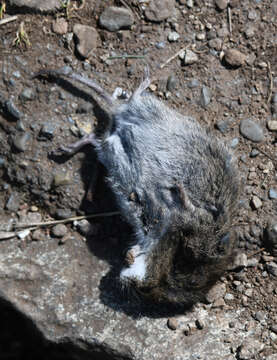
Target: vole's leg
x=75, y=147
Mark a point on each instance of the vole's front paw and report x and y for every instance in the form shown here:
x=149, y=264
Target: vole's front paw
x=132, y=254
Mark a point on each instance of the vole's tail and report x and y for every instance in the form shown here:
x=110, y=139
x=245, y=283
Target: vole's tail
x=67, y=72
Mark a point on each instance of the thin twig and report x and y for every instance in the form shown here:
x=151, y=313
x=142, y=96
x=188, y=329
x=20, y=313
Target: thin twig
x=71, y=219
x=270, y=157
x=270, y=82
x=173, y=57
x=8, y=19
x=229, y=19
x=125, y=57
x=255, y=252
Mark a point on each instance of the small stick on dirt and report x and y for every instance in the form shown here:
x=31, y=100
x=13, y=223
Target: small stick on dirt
x=173, y=57
x=125, y=57
x=270, y=157
x=71, y=219
x=8, y=19
x=229, y=19
x=255, y=253
x=270, y=82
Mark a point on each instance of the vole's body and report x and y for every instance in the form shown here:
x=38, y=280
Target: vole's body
x=178, y=189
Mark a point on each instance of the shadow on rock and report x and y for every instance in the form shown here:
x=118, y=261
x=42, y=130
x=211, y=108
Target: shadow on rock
x=21, y=339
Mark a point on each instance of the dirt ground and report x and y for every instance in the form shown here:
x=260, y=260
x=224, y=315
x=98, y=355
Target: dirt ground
x=55, y=112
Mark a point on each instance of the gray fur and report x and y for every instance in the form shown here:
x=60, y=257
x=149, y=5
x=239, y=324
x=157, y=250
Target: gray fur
x=177, y=187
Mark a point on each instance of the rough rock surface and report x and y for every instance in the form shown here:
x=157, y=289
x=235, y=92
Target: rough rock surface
x=116, y=18
x=87, y=39
x=37, y=5
x=159, y=10
x=66, y=292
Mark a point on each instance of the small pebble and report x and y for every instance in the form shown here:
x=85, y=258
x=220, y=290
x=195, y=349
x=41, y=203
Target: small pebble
x=229, y=297
x=251, y=130
x=254, y=153
x=256, y=202
x=27, y=94
x=252, y=15
x=272, y=125
x=23, y=234
x=190, y=57
x=272, y=194
x=47, y=131
x=12, y=110
x=190, y=4
x=252, y=262
x=192, y=84
x=62, y=178
x=59, y=230
x=260, y=316
x=160, y=45
x=234, y=3
x=205, y=97
x=234, y=143
x=249, y=32
x=83, y=226
x=219, y=303
x=248, y=292
x=171, y=83
x=216, y=292
x=115, y=18
x=60, y=26
x=63, y=213
x=158, y=10
x=271, y=268
x=16, y=74
x=173, y=36
x=234, y=57
x=221, y=4
x=87, y=39
x=172, y=323
x=240, y=261
x=38, y=235
x=13, y=202
x=21, y=141
x=201, y=36
x=20, y=125
x=215, y=44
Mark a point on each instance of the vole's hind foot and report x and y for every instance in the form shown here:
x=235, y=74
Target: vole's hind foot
x=73, y=148
x=119, y=93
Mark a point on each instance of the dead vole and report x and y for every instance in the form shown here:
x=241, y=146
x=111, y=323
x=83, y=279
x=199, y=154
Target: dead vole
x=176, y=185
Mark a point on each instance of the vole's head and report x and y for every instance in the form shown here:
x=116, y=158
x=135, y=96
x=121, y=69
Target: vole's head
x=183, y=267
